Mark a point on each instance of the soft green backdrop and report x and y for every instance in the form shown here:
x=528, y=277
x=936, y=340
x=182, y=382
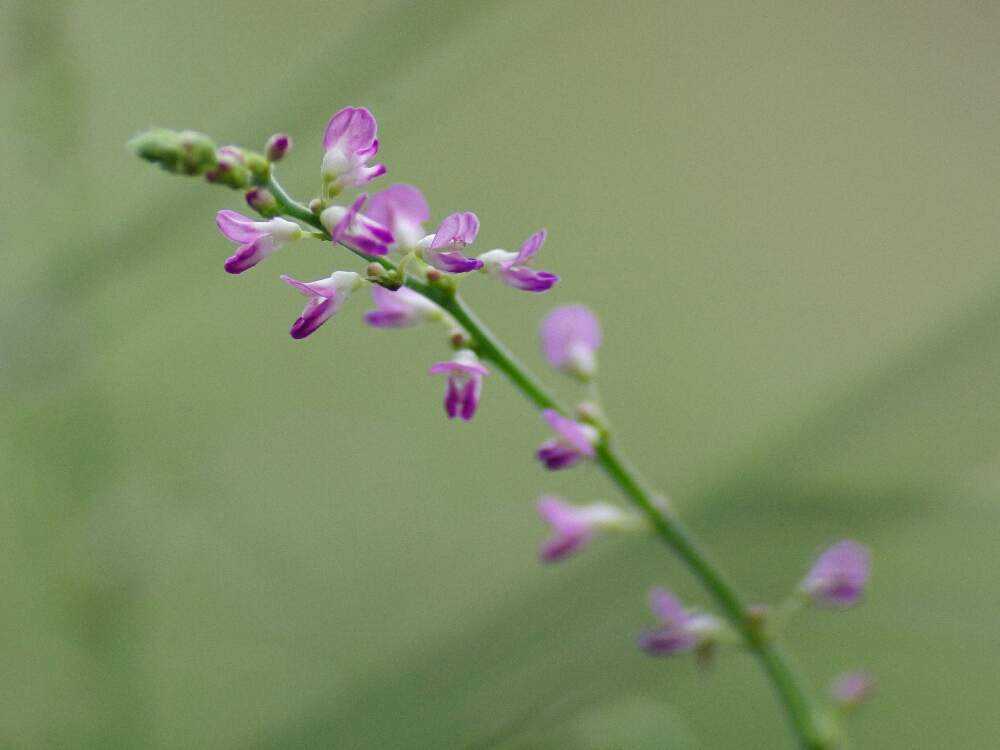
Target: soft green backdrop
x=213, y=536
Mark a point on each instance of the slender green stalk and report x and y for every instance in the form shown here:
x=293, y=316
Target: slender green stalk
x=809, y=725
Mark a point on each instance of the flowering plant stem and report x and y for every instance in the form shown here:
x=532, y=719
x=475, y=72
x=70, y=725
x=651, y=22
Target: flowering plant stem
x=810, y=726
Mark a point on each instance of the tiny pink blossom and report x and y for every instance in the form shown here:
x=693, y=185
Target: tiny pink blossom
x=465, y=383
x=839, y=575
x=574, y=526
x=326, y=296
x=352, y=228
x=680, y=630
x=570, y=337
x=573, y=442
x=513, y=269
x=400, y=308
x=255, y=239
x=851, y=689
x=349, y=142
x=443, y=249
x=403, y=209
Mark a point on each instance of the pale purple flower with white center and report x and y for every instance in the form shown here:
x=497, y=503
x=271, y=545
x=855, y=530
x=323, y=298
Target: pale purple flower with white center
x=680, y=630
x=574, y=526
x=349, y=142
x=400, y=308
x=326, y=296
x=403, y=210
x=838, y=577
x=571, y=336
x=851, y=689
x=256, y=239
x=354, y=229
x=443, y=249
x=513, y=270
x=465, y=383
x=573, y=442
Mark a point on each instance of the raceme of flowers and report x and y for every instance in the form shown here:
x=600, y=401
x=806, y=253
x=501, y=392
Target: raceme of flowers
x=393, y=222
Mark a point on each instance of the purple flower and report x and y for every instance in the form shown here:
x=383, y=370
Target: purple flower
x=573, y=441
x=851, y=689
x=574, y=526
x=679, y=629
x=465, y=383
x=349, y=142
x=838, y=577
x=400, y=309
x=354, y=229
x=443, y=250
x=256, y=239
x=512, y=268
x=326, y=296
x=570, y=338
x=403, y=209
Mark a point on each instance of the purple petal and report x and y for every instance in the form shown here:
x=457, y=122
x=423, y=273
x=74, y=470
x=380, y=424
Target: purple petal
x=557, y=455
x=315, y=314
x=470, y=398
x=237, y=227
x=565, y=329
x=452, y=397
x=667, y=641
x=452, y=367
x=458, y=229
x=530, y=247
x=311, y=288
x=352, y=129
x=852, y=688
x=248, y=256
x=561, y=546
x=398, y=202
x=528, y=279
x=453, y=262
x=667, y=607
x=839, y=575
x=570, y=431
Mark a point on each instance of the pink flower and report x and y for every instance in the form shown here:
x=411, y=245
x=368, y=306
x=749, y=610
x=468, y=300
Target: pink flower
x=354, y=229
x=570, y=338
x=573, y=442
x=403, y=209
x=574, y=526
x=326, y=296
x=513, y=270
x=680, y=630
x=400, y=309
x=465, y=383
x=851, y=689
x=256, y=239
x=838, y=577
x=443, y=250
x=349, y=142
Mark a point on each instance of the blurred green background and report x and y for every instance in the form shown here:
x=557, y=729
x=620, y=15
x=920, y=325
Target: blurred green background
x=213, y=536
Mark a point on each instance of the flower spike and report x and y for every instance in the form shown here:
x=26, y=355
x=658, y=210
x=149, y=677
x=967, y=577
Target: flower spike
x=513, y=270
x=680, y=630
x=443, y=249
x=465, y=383
x=326, y=296
x=354, y=229
x=839, y=575
x=349, y=142
x=255, y=239
x=573, y=441
x=571, y=337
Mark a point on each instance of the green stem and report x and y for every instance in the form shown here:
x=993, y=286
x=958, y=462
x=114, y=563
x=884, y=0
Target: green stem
x=808, y=724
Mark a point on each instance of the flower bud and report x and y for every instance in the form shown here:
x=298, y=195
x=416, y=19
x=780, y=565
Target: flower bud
x=316, y=205
x=277, y=146
x=230, y=169
x=261, y=201
x=851, y=689
x=159, y=146
x=197, y=152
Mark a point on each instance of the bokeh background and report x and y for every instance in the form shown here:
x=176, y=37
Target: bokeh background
x=214, y=536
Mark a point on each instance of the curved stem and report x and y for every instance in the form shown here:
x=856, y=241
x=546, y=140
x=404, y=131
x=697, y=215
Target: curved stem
x=809, y=725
